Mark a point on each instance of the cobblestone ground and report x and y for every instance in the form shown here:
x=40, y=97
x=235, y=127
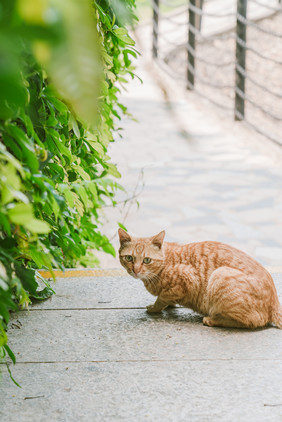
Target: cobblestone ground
x=222, y=182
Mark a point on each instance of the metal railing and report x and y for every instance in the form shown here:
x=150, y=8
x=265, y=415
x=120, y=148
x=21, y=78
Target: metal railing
x=229, y=52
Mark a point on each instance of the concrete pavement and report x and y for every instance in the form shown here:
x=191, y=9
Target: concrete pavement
x=92, y=353
x=221, y=182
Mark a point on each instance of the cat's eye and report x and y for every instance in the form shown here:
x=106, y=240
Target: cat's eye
x=128, y=258
x=147, y=260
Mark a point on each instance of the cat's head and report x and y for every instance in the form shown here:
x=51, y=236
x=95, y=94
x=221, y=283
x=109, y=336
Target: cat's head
x=142, y=257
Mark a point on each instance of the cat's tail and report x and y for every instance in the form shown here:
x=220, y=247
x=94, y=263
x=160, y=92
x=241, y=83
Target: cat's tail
x=277, y=317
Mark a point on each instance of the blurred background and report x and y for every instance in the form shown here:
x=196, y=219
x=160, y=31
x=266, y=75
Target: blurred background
x=204, y=160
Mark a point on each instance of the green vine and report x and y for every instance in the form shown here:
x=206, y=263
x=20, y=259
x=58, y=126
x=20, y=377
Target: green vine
x=62, y=66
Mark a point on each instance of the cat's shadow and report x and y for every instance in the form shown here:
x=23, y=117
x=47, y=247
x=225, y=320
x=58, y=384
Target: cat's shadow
x=177, y=314
x=185, y=315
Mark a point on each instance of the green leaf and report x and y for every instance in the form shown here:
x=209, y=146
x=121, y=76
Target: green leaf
x=60, y=145
x=4, y=222
x=43, y=294
x=37, y=226
x=70, y=198
x=81, y=172
x=83, y=195
x=57, y=171
x=122, y=34
x=3, y=285
x=103, y=16
x=27, y=277
x=74, y=126
x=93, y=189
x=108, y=59
x=25, y=145
x=109, y=249
x=21, y=213
x=3, y=336
x=96, y=146
x=12, y=378
x=113, y=170
x=4, y=312
x=58, y=104
x=13, y=93
x=133, y=53
x=122, y=226
x=41, y=258
x=10, y=353
x=74, y=63
x=56, y=208
x=7, y=157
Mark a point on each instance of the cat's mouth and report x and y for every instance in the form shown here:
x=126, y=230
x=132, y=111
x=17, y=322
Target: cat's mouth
x=144, y=277
x=138, y=276
x=132, y=273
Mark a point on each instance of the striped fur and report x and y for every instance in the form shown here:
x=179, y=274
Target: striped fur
x=224, y=284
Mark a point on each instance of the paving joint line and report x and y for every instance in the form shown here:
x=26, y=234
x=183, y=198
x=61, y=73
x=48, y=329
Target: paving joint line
x=146, y=360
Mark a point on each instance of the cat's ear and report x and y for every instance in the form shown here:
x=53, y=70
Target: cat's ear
x=158, y=239
x=123, y=236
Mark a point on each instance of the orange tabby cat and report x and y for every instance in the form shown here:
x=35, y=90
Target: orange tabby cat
x=223, y=283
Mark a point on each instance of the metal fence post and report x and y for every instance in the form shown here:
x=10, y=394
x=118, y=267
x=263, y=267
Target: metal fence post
x=241, y=31
x=198, y=22
x=191, y=46
x=156, y=10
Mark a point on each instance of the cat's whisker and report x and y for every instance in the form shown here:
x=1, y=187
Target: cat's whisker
x=153, y=279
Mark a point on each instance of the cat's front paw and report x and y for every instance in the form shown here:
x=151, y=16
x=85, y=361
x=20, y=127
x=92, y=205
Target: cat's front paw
x=208, y=322
x=151, y=309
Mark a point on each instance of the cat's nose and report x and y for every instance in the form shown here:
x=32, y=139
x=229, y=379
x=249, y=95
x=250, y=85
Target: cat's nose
x=136, y=269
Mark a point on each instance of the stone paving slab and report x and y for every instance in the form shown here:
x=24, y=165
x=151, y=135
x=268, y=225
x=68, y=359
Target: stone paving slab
x=105, y=292
x=102, y=335
x=96, y=292
x=92, y=330
x=122, y=364
x=241, y=391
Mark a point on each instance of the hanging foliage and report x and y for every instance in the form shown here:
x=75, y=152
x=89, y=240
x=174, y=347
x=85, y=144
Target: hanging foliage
x=62, y=65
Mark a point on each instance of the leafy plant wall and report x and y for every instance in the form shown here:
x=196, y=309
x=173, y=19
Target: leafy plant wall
x=62, y=64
